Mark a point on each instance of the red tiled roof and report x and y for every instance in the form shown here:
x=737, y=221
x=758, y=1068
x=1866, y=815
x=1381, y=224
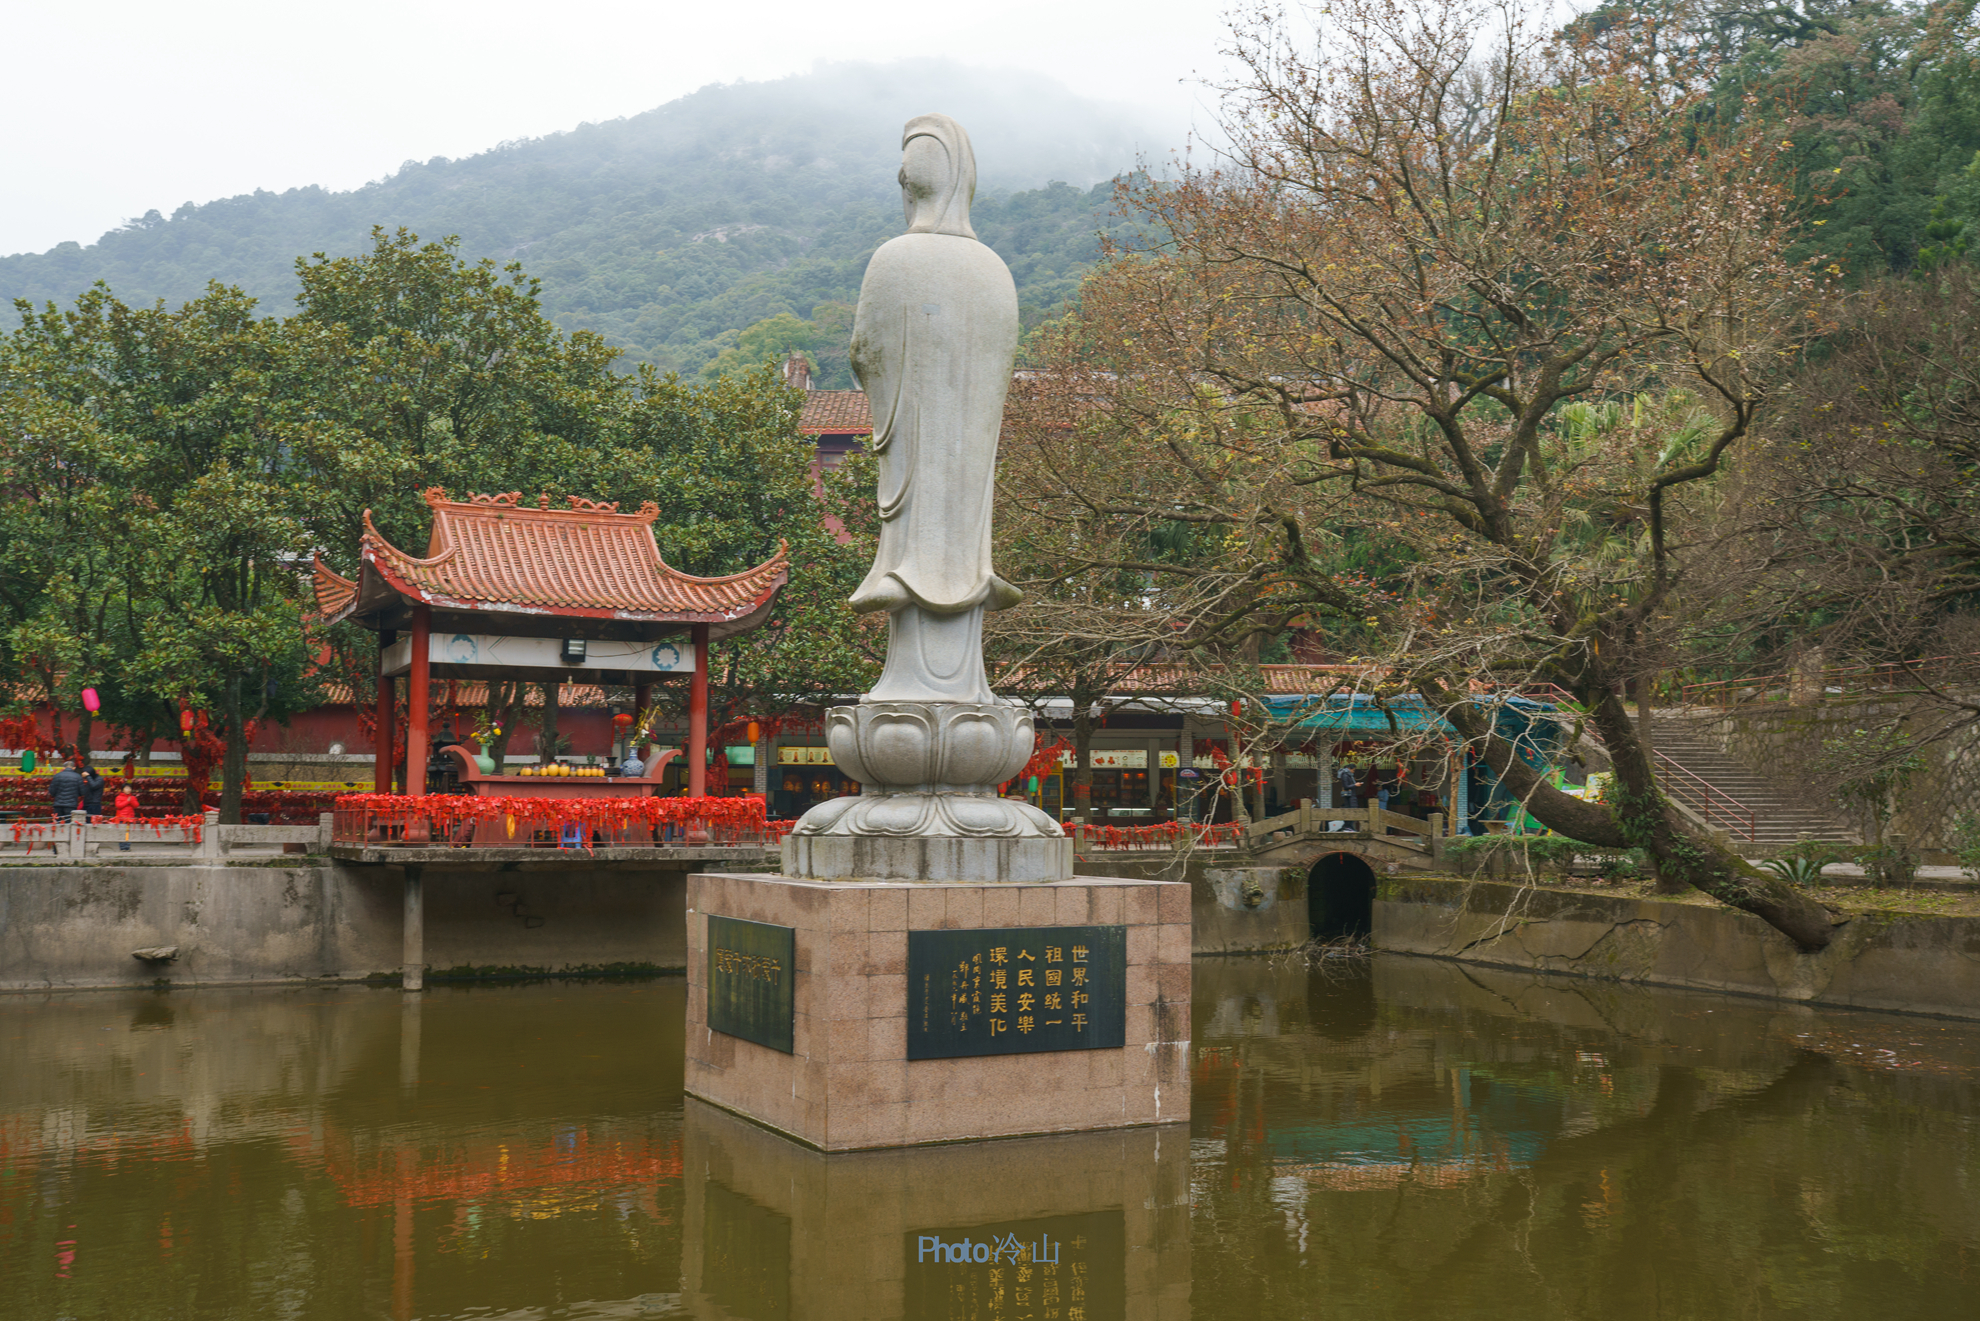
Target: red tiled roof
x=836, y=412
x=474, y=692
x=588, y=559
x=334, y=592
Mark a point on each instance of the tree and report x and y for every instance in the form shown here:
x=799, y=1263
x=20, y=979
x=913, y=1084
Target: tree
x=734, y=481
x=1373, y=317
x=195, y=433
x=1855, y=541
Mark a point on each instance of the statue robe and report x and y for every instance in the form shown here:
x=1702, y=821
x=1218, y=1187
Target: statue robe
x=934, y=339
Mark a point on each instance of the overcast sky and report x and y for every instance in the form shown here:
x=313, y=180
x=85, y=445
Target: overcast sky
x=119, y=106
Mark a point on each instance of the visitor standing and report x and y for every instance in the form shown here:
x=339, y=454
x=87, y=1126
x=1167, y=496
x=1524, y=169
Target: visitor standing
x=1350, y=795
x=92, y=790
x=65, y=790
x=127, y=806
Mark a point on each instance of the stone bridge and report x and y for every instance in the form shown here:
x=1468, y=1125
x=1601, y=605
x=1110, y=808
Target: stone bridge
x=1329, y=857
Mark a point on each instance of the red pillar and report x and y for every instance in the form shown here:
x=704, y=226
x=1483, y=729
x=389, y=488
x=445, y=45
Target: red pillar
x=384, y=735
x=697, y=750
x=417, y=684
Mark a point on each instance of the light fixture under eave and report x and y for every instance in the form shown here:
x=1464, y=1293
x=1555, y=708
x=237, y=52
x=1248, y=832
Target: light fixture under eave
x=573, y=651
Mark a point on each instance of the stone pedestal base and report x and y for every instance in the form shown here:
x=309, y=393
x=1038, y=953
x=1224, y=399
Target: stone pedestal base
x=1086, y=1224
x=932, y=858
x=848, y=1083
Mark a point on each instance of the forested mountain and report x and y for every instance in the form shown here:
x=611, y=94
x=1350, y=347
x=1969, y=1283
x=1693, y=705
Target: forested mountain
x=672, y=231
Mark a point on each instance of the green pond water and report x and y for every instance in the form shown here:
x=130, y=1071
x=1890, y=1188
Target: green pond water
x=1399, y=1138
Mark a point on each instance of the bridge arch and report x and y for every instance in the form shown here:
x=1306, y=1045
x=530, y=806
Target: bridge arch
x=1340, y=895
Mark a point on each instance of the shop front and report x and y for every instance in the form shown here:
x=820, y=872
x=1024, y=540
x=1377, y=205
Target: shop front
x=804, y=777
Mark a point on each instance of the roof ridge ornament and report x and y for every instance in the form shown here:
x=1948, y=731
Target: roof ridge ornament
x=585, y=506
x=505, y=499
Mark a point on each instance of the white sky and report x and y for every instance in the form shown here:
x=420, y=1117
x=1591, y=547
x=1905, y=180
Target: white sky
x=118, y=106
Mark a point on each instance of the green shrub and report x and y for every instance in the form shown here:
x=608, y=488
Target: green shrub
x=1966, y=843
x=1535, y=855
x=1890, y=864
x=1795, y=871
x=1821, y=852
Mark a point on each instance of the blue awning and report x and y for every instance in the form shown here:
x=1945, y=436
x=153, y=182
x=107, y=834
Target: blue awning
x=1351, y=715
x=1522, y=720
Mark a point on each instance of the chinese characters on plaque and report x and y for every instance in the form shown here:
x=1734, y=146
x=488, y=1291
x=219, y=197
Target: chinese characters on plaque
x=1016, y=990
x=750, y=982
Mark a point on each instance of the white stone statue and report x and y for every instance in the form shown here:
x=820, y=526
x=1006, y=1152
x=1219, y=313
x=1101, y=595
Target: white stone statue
x=933, y=342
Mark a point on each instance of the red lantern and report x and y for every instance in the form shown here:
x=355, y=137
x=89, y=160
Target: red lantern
x=185, y=721
x=755, y=731
x=622, y=722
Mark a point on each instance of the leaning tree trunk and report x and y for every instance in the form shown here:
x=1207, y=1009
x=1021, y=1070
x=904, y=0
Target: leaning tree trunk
x=1640, y=817
x=1082, y=717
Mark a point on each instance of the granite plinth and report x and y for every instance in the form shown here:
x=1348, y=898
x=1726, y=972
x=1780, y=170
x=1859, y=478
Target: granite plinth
x=772, y=1228
x=927, y=858
x=848, y=1084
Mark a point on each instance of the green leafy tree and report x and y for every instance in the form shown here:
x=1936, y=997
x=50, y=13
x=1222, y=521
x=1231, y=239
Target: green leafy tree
x=205, y=419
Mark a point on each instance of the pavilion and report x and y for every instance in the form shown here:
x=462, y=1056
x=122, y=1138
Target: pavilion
x=550, y=595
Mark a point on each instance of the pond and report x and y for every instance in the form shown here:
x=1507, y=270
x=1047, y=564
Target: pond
x=1380, y=1138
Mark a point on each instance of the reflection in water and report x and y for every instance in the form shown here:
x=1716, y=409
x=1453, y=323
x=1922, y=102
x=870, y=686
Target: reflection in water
x=1497, y=1144
x=1409, y=1139
x=1073, y=1227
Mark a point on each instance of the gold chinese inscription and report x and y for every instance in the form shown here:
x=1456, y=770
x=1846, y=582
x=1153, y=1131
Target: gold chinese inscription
x=1016, y=990
x=750, y=986
x=762, y=967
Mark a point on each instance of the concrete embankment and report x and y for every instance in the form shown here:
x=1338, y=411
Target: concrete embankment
x=77, y=924
x=1916, y=963
x=1234, y=909
x=73, y=925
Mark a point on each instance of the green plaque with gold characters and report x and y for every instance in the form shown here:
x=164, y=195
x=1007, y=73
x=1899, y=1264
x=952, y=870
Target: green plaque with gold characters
x=1015, y=990
x=750, y=980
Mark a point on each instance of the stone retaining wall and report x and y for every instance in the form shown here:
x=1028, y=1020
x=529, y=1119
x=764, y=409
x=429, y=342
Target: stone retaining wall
x=76, y=925
x=1784, y=742
x=1912, y=963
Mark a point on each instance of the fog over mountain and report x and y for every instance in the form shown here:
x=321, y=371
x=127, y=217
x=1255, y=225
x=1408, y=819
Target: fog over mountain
x=669, y=231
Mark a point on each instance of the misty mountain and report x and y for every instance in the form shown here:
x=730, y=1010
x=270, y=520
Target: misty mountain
x=670, y=231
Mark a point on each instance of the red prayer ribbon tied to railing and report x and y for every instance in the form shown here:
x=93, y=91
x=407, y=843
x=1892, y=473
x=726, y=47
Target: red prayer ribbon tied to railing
x=34, y=832
x=1166, y=835
x=450, y=817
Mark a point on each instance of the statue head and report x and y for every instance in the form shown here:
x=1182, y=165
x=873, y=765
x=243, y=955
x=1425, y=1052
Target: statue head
x=938, y=176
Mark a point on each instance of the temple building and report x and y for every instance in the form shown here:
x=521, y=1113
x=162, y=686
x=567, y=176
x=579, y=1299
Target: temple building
x=572, y=595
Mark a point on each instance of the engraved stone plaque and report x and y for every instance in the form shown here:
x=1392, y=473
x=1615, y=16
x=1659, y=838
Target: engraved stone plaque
x=750, y=980
x=1015, y=990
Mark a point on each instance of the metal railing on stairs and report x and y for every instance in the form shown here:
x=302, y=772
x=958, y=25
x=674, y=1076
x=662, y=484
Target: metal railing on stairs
x=1714, y=805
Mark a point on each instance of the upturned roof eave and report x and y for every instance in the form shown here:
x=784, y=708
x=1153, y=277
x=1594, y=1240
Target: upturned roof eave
x=379, y=587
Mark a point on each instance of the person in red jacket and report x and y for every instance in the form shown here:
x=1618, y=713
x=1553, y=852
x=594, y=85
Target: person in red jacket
x=127, y=806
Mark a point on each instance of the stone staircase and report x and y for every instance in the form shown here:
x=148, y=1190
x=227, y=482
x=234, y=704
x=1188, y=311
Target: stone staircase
x=1780, y=815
